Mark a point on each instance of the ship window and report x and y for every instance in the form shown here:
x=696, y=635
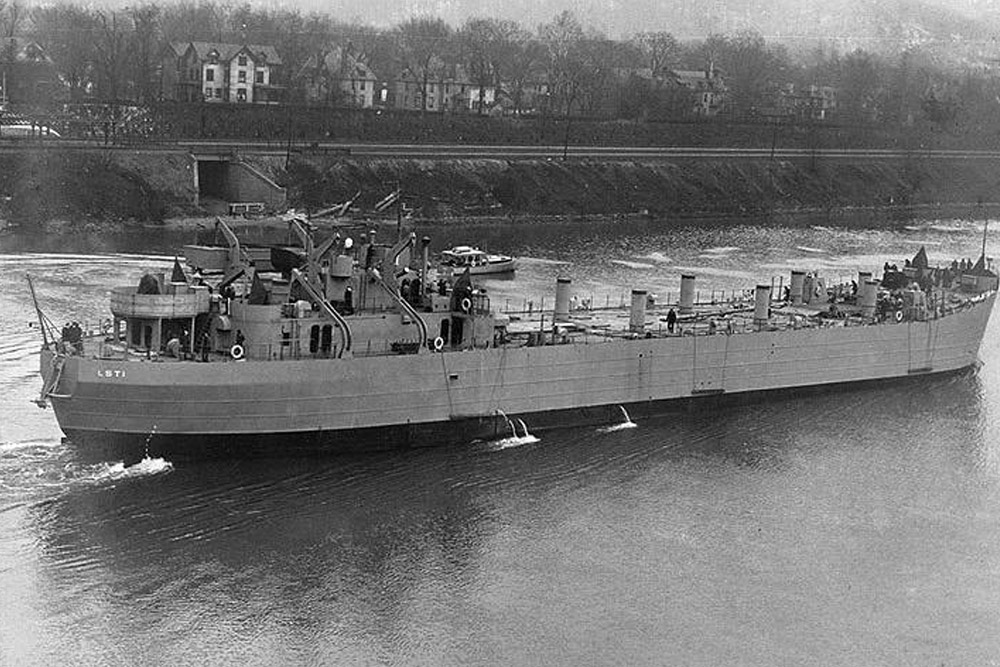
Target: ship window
x=327, y=343
x=314, y=339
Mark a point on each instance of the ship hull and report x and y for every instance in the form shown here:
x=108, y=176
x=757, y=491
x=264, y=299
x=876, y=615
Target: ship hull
x=427, y=399
x=131, y=447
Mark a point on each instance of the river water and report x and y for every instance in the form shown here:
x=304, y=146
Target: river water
x=856, y=527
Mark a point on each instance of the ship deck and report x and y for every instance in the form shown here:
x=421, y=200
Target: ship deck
x=729, y=317
x=594, y=325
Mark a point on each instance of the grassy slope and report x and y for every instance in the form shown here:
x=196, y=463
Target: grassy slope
x=457, y=188
x=49, y=185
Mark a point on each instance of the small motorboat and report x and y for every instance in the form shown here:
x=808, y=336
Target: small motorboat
x=477, y=261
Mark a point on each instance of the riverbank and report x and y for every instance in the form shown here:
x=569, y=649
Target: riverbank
x=85, y=191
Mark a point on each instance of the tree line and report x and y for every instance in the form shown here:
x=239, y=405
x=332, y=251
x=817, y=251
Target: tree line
x=113, y=56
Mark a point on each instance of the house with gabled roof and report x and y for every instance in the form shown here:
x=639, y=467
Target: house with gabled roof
x=707, y=88
x=29, y=74
x=337, y=76
x=451, y=89
x=217, y=72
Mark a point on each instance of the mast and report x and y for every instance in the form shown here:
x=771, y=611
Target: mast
x=986, y=225
x=38, y=311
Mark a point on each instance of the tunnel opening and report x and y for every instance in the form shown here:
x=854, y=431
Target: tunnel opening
x=213, y=179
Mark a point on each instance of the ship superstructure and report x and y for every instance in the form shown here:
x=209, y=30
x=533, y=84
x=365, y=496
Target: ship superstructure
x=352, y=346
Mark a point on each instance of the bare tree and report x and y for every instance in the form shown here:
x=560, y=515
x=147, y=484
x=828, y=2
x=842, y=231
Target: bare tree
x=749, y=65
x=859, y=86
x=11, y=15
x=111, y=45
x=476, y=39
x=189, y=21
x=660, y=50
x=67, y=32
x=493, y=51
x=604, y=63
x=424, y=43
x=562, y=39
x=376, y=48
x=142, y=51
x=526, y=63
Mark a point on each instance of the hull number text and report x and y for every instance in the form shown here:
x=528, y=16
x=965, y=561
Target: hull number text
x=110, y=372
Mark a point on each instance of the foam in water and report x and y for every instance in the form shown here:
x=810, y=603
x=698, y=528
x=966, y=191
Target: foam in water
x=658, y=257
x=543, y=260
x=12, y=447
x=713, y=271
x=113, y=472
x=632, y=265
x=514, y=440
x=627, y=424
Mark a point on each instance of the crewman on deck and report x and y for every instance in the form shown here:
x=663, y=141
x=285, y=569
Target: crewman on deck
x=671, y=320
x=206, y=344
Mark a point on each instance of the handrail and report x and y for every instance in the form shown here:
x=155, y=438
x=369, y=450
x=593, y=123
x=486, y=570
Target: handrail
x=342, y=326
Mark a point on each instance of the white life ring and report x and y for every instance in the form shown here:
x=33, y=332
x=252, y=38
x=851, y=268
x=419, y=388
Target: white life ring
x=466, y=305
x=899, y=316
x=236, y=352
x=438, y=344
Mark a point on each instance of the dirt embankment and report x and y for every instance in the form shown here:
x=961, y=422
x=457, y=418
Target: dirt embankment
x=460, y=188
x=93, y=186
x=99, y=187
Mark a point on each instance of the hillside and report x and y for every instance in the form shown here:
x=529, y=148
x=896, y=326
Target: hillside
x=876, y=25
x=461, y=188
x=97, y=187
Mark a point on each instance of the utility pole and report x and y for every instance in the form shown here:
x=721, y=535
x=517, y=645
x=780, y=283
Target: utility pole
x=288, y=132
x=566, y=137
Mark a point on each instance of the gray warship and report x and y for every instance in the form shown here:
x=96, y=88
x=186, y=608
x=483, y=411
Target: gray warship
x=341, y=346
